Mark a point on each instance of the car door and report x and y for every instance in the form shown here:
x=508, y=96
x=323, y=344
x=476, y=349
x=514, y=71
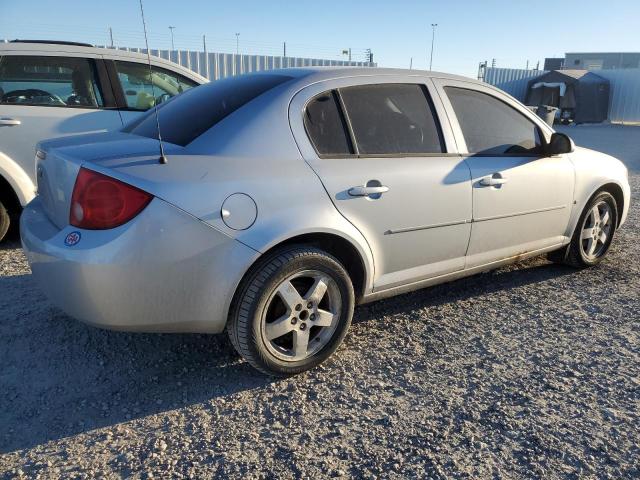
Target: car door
x=137, y=91
x=380, y=150
x=47, y=96
x=522, y=198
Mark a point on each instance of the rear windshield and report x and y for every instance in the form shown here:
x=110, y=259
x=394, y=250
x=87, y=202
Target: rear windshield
x=187, y=116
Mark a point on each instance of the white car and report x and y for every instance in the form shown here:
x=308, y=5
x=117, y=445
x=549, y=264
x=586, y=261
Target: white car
x=289, y=196
x=53, y=89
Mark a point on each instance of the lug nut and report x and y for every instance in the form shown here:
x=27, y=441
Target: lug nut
x=312, y=317
x=303, y=326
x=294, y=320
x=310, y=305
x=298, y=307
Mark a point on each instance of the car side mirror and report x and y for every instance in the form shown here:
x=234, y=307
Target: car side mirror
x=559, y=144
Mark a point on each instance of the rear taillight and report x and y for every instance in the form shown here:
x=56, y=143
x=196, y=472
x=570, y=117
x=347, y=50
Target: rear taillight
x=100, y=202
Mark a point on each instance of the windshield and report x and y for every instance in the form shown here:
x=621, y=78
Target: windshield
x=189, y=115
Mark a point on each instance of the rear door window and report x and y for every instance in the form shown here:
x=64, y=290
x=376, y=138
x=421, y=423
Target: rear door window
x=392, y=119
x=49, y=81
x=143, y=90
x=325, y=125
x=188, y=116
x=490, y=126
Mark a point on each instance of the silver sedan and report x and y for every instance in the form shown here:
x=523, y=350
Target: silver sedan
x=282, y=199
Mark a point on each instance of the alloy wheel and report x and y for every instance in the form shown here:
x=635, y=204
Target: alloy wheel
x=596, y=230
x=301, y=315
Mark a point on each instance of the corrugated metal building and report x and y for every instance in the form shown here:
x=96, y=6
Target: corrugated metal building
x=624, y=89
x=219, y=65
x=602, y=60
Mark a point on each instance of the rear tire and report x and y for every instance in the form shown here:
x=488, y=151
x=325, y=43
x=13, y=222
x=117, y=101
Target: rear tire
x=5, y=221
x=593, y=234
x=292, y=311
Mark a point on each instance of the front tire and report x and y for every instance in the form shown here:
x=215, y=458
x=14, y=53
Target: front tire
x=593, y=234
x=292, y=311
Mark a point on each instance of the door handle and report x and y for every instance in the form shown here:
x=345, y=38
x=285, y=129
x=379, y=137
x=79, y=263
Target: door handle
x=494, y=180
x=363, y=191
x=9, y=122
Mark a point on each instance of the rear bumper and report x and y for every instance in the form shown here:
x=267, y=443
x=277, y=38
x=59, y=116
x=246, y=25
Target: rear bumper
x=164, y=271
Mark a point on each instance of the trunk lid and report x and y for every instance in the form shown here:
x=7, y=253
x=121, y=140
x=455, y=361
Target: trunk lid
x=58, y=162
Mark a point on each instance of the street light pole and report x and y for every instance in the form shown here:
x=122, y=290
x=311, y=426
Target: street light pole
x=171, y=30
x=433, y=37
x=237, y=43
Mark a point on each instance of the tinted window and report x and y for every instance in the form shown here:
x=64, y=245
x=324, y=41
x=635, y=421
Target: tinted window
x=142, y=91
x=188, y=116
x=49, y=81
x=490, y=126
x=392, y=118
x=325, y=125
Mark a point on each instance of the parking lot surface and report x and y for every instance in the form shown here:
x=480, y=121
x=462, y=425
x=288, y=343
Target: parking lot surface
x=529, y=371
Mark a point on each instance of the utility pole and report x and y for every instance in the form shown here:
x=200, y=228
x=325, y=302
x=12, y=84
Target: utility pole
x=206, y=57
x=433, y=38
x=349, y=53
x=493, y=63
x=237, y=44
x=527, y=67
x=111, y=36
x=411, y=64
x=171, y=30
x=369, y=55
x=284, y=49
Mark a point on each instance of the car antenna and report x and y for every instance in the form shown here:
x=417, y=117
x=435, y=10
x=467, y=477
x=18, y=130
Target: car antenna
x=163, y=158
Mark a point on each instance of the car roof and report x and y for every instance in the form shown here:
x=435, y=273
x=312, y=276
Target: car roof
x=62, y=48
x=315, y=74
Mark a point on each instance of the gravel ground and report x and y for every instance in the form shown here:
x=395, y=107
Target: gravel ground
x=529, y=371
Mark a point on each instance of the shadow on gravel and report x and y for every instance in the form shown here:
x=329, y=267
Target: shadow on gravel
x=514, y=276
x=61, y=378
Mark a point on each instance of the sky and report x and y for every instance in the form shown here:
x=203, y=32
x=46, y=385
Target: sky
x=398, y=32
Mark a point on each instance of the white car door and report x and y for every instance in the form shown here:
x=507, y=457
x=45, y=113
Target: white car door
x=522, y=198
x=47, y=96
x=380, y=152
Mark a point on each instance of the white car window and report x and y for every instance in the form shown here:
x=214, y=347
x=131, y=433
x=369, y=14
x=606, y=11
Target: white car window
x=142, y=94
x=49, y=81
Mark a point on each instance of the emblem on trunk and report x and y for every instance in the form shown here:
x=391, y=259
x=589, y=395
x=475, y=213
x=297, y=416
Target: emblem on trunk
x=72, y=239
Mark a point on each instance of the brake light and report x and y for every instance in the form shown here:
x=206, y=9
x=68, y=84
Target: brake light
x=100, y=202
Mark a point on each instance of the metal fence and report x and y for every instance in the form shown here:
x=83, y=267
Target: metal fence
x=215, y=66
x=512, y=80
x=624, y=92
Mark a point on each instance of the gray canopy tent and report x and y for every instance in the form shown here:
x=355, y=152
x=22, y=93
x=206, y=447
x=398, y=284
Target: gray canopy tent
x=581, y=95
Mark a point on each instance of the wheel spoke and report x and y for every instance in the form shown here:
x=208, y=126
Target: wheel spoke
x=317, y=290
x=323, y=318
x=605, y=218
x=289, y=295
x=587, y=233
x=280, y=327
x=301, y=342
x=595, y=212
x=591, y=247
x=602, y=238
